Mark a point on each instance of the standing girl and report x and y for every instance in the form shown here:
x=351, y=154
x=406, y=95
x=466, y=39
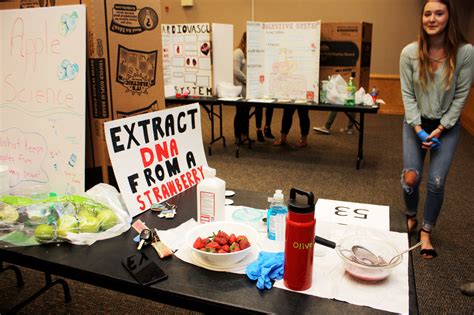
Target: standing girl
x=435, y=76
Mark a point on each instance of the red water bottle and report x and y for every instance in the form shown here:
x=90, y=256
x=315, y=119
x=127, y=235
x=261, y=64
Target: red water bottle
x=299, y=242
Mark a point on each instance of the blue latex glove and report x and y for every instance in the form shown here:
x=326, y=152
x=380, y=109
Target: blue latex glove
x=422, y=134
x=268, y=267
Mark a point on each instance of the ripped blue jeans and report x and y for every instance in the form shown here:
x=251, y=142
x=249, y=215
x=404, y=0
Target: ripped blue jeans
x=439, y=164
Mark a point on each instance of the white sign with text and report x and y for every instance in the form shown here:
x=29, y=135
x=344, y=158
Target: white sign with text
x=157, y=155
x=352, y=213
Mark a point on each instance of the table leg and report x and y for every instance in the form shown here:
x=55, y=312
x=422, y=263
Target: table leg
x=212, y=129
x=211, y=114
x=220, y=125
x=48, y=285
x=360, y=151
x=19, y=277
x=221, y=136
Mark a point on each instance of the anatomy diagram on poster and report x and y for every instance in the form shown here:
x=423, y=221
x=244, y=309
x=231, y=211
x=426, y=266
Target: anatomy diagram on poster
x=283, y=59
x=187, y=58
x=42, y=97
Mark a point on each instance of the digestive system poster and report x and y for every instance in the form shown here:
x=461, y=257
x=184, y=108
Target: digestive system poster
x=283, y=59
x=42, y=98
x=187, y=58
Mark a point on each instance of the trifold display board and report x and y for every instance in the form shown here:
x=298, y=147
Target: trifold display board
x=190, y=64
x=283, y=60
x=42, y=97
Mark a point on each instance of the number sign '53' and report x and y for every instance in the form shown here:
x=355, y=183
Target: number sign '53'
x=351, y=213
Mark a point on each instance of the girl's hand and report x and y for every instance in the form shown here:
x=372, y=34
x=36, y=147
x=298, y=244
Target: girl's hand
x=432, y=141
x=427, y=145
x=434, y=134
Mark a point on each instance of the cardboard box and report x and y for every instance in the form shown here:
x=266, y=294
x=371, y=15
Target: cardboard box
x=346, y=50
x=125, y=67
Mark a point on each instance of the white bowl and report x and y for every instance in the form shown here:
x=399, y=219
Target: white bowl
x=380, y=247
x=229, y=227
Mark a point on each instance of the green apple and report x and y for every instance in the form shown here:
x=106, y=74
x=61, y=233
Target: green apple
x=8, y=214
x=67, y=223
x=86, y=212
x=88, y=224
x=44, y=232
x=107, y=219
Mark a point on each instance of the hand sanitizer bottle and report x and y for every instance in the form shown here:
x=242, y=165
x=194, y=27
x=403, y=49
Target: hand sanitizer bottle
x=210, y=197
x=276, y=217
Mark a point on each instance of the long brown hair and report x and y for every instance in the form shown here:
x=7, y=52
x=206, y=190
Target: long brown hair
x=452, y=40
x=243, y=43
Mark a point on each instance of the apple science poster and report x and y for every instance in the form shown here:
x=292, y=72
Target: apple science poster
x=42, y=98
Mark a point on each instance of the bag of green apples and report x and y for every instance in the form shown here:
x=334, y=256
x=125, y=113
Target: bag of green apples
x=79, y=219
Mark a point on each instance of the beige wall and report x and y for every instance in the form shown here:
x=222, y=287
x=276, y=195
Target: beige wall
x=395, y=21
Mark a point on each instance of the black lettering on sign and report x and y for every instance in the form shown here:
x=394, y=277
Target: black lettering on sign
x=360, y=215
x=341, y=211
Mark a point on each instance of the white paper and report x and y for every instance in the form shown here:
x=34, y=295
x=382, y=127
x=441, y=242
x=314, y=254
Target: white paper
x=229, y=98
x=173, y=238
x=261, y=100
x=185, y=254
x=353, y=213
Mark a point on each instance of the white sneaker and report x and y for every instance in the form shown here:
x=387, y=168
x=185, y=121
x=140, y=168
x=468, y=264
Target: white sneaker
x=349, y=131
x=322, y=130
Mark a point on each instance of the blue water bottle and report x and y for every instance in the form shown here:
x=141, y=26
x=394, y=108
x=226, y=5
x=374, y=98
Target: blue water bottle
x=276, y=217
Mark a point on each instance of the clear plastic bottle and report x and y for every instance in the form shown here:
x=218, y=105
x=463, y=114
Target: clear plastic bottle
x=210, y=197
x=374, y=93
x=276, y=217
x=351, y=89
x=323, y=92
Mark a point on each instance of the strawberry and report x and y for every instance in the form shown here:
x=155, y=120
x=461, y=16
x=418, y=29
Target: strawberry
x=213, y=245
x=221, y=251
x=241, y=237
x=234, y=247
x=220, y=240
x=232, y=239
x=225, y=248
x=199, y=243
x=244, y=243
x=222, y=234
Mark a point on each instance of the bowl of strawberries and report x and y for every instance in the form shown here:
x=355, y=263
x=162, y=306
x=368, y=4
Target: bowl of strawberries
x=222, y=243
